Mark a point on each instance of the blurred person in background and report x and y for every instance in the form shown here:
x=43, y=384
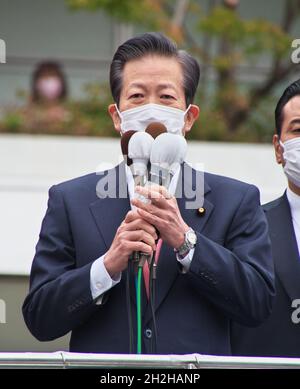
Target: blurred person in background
x=48, y=84
x=279, y=335
x=47, y=110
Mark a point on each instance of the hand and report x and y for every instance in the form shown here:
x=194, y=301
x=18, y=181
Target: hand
x=134, y=234
x=162, y=212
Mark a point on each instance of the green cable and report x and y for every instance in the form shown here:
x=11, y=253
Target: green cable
x=139, y=311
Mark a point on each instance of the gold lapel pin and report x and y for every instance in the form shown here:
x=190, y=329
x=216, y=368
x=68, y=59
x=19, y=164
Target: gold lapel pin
x=201, y=211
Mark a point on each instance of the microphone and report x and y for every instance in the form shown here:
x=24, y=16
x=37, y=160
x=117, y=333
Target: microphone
x=124, y=145
x=167, y=153
x=139, y=149
x=155, y=129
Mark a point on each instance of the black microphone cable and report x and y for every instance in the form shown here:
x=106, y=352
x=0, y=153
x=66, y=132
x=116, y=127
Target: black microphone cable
x=152, y=284
x=128, y=303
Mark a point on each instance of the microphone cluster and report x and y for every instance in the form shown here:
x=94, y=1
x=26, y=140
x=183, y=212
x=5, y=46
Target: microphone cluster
x=153, y=157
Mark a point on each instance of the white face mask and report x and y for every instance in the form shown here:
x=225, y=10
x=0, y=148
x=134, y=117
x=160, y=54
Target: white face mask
x=49, y=87
x=291, y=155
x=137, y=119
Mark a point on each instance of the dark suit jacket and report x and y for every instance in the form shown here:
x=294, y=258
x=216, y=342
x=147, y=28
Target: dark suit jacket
x=278, y=335
x=230, y=278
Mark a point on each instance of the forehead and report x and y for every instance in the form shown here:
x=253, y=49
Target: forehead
x=292, y=109
x=151, y=69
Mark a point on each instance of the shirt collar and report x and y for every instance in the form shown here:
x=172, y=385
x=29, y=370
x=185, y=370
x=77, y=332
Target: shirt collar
x=294, y=201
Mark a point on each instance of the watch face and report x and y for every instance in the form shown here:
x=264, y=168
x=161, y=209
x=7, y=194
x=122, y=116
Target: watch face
x=191, y=237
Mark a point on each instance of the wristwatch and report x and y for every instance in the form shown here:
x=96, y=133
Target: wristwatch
x=190, y=240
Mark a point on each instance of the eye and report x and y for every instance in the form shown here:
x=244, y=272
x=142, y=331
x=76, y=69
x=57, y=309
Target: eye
x=167, y=97
x=136, y=96
x=295, y=131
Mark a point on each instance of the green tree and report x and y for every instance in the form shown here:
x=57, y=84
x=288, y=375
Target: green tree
x=223, y=41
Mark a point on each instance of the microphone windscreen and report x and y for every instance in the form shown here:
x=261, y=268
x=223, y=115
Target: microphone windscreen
x=155, y=129
x=124, y=145
x=140, y=145
x=139, y=150
x=168, y=149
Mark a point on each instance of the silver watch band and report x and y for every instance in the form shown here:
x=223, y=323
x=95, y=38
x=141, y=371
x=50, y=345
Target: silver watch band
x=183, y=250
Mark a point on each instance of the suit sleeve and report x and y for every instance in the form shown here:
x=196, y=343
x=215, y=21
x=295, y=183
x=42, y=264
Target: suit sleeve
x=238, y=276
x=60, y=297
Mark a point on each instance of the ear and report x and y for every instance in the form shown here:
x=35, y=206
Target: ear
x=278, y=150
x=191, y=116
x=115, y=117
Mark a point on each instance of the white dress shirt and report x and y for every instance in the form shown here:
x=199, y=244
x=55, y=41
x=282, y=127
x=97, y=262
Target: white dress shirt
x=294, y=201
x=100, y=280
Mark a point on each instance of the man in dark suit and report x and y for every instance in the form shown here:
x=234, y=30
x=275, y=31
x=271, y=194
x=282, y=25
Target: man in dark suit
x=221, y=269
x=279, y=335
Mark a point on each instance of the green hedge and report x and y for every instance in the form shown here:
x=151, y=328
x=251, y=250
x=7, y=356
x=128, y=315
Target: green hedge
x=89, y=117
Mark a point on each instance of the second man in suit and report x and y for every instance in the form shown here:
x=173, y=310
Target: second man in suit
x=279, y=335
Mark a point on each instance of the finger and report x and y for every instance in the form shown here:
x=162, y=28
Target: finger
x=140, y=246
x=158, y=188
x=130, y=216
x=140, y=204
x=162, y=202
x=138, y=236
x=162, y=190
x=154, y=189
x=148, y=191
x=140, y=224
x=154, y=206
x=160, y=210
x=155, y=220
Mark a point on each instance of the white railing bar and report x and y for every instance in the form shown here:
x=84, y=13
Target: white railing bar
x=63, y=360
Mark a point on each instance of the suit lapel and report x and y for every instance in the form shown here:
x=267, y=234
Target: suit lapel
x=110, y=210
x=113, y=203
x=284, y=245
x=192, y=198
x=167, y=269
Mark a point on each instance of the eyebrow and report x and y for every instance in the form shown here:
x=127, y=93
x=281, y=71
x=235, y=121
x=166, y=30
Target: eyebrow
x=160, y=86
x=166, y=85
x=136, y=85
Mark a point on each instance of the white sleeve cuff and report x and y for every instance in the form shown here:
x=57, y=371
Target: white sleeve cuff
x=186, y=261
x=100, y=280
